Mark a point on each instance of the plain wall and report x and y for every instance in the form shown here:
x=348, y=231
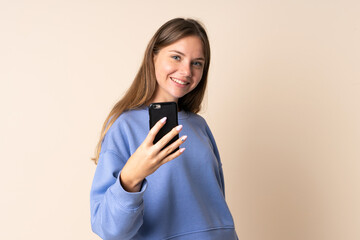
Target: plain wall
x=283, y=103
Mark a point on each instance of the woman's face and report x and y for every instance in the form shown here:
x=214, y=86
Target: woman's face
x=178, y=69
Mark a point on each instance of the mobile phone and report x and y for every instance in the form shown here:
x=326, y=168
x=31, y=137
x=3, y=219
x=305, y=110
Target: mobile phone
x=164, y=109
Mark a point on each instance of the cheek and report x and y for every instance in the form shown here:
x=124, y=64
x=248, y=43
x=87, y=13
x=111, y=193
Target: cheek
x=169, y=68
x=164, y=68
x=198, y=76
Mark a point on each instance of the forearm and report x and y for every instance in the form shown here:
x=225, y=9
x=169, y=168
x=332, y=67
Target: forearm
x=117, y=214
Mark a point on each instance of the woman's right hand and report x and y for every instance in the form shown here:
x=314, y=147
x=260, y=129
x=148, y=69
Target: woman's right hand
x=148, y=157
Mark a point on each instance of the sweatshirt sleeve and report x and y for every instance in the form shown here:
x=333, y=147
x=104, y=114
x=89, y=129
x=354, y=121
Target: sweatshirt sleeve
x=115, y=213
x=217, y=154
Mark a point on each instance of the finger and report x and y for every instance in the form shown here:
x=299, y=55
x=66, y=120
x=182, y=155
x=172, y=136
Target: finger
x=168, y=150
x=154, y=130
x=170, y=135
x=173, y=156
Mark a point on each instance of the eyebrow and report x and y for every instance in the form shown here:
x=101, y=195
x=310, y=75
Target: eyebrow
x=182, y=54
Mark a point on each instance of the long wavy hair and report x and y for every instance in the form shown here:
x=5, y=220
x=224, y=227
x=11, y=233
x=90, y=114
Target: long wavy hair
x=143, y=87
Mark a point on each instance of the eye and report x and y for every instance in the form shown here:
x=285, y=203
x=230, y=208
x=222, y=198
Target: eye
x=176, y=57
x=197, y=64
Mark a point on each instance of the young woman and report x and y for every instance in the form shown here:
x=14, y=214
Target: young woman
x=142, y=191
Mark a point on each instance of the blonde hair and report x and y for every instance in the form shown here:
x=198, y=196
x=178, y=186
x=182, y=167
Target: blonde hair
x=143, y=87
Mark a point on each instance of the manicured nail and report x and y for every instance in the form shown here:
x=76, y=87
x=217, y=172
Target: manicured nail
x=182, y=150
x=178, y=128
x=183, y=138
x=163, y=120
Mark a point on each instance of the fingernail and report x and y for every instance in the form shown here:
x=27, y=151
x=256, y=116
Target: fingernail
x=163, y=120
x=179, y=127
x=182, y=150
x=183, y=138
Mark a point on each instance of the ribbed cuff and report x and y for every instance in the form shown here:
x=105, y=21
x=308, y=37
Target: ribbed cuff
x=128, y=200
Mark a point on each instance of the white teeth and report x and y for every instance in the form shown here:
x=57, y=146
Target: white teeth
x=178, y=81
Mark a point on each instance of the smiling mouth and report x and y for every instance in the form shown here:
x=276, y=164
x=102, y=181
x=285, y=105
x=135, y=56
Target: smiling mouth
x=179, y=81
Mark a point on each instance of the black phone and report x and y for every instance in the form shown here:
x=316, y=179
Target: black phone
x=164, y=109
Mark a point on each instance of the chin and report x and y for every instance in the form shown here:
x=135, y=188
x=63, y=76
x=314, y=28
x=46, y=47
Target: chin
x=178, y=95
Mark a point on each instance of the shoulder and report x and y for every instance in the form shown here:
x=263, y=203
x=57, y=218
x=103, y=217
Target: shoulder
x=123, y=127
x=198, y=124
x=197, y=119
x=129, y=118
x=192, y=117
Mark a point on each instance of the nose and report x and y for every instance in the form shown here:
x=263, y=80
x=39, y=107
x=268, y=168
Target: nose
x=186, y=69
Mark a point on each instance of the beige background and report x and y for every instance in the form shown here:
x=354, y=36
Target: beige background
x=283, y=103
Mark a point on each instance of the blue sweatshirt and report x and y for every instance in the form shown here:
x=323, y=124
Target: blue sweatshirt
x=184, y=199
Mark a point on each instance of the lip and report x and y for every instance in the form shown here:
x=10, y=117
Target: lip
x=181, y=80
